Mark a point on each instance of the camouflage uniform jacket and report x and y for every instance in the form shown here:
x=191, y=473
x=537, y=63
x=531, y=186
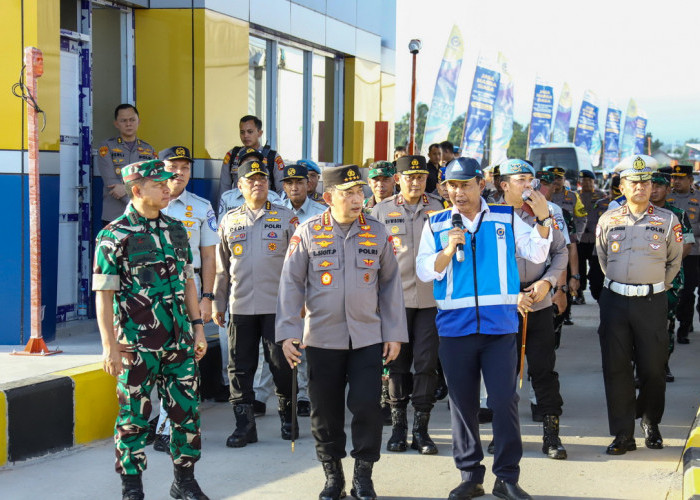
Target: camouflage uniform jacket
x=571, y=202
x=146, y=263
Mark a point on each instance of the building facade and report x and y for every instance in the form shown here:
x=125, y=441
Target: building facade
x=319, y=73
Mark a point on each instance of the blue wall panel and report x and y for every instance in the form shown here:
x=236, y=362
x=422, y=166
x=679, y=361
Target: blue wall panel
x=12, y=257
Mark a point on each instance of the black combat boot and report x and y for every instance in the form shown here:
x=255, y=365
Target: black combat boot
x=245, y=431
x=399, y=430
x=285, y=411
x=185, y=486
x=421, y=439
x=362, y=486
x=551, y=444
x=334, y=488
x=132, y=487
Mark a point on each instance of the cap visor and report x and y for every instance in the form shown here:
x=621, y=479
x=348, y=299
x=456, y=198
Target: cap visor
x=294, y=177
x=162, y=176
x=179, y=158
x=348, y=185
x=253, y=173
x=409, y=172
x=637, y=177
x=679, y=175
x=461, y=180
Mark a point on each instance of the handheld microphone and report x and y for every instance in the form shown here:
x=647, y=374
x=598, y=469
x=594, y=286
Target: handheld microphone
x=457, y=222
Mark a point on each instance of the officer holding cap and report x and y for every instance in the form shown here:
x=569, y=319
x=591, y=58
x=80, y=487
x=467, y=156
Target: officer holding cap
x=254, y=240
x=404, y=216
x=143, y=272
x=341, y=266
x=199, y=220
x=640, y=250
x=476, y=285
x=381, y=182
x=687, y=199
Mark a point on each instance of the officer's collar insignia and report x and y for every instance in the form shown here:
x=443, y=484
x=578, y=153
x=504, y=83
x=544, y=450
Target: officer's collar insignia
x=326, y=219
x=425, y=199
x=268, y=205
x=650, y=210
x=362, y=219
x=639, y=163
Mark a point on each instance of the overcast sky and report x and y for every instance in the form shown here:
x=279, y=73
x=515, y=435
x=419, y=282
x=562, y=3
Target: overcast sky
x=620, y=49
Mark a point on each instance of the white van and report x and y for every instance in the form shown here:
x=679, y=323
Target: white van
x=561, y=154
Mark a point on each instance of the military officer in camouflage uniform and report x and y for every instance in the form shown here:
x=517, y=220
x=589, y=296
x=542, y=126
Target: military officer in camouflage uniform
x=116, y=153
x=660, y=189
x=688, y=200
x=640, y=250
x=404, y=216
x=589, y=196
x=143, y=277
x=253, y=241
x=198, y=217
x=341, y=265
x=381, y=182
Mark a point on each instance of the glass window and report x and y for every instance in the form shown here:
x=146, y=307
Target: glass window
x=319, y=130
x=257, y=79
x=290, y=102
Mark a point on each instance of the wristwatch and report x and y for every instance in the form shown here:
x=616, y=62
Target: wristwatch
x=546, y=222
x=563, y=288
x=198, y=321
x=209, y=296
x=577, y=277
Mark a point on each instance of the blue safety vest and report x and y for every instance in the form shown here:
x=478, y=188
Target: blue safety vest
x=479, y=295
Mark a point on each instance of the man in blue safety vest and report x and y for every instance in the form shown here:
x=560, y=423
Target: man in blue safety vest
x=476, y=286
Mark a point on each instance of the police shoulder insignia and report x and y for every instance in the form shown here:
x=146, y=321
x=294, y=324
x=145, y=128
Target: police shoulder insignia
x=294, y=220
x=293, y=243
x=103, y=151
x=227, y=158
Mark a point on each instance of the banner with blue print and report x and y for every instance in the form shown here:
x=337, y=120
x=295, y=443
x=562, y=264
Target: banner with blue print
x=480, y=110
x=541, y=117
x=640, y=134
x=629, y=132
x=587, y=124
x=611, y=156
x=439, y=120
x=560, y=130
x=502, y=123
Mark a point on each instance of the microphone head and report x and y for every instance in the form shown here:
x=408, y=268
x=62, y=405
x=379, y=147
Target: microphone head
x=457, y=220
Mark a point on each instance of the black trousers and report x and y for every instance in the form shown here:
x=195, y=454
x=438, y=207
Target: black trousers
x=244, y=335
x=330, y=370
x=633, y=329
x=686, y=302
x=421, y=351
x=596, y=278
x=585, y=262
x=539, y=351
x=464, y=360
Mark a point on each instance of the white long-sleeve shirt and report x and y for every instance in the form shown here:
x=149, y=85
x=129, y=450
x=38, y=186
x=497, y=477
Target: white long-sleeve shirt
x=529, y=244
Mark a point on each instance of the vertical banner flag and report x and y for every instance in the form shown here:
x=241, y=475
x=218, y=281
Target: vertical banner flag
x=480, y=110
x=502, y=124
x=541, y=118
x=611, y=156
x=640, y=133
x=587, y=124
x=596, y=148
x=439, y=120
x=560, y=131
x=629, y=132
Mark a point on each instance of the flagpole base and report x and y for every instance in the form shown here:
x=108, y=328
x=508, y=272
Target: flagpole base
x=35, y=347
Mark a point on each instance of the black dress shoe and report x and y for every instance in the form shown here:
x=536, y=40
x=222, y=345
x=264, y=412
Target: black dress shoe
x=683, y=340
x=485, y=415
x=652, y=436
x=621, y=445
x=669, y=375
x=568, y=322
x=509, y=491
x=466, y=490
x=303, y=408
x=259, y=408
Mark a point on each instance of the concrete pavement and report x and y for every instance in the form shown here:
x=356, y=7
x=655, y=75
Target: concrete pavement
x=268, y=469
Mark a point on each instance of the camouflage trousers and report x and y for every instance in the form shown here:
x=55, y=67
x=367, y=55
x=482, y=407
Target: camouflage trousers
x=176, y=374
